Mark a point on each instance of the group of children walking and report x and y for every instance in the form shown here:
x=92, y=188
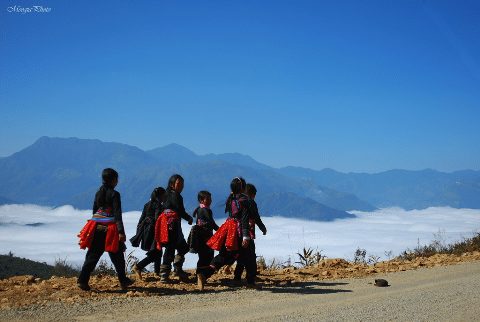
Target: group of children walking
x=159, y=233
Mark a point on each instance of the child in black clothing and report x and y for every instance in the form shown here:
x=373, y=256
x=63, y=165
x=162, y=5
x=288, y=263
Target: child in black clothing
x=145, y=237
x=104, y=232
x=168, y=231
x=203, y=230
x=248, y=257
x=232, y=235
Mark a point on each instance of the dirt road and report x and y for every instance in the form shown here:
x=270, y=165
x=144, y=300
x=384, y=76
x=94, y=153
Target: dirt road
x=450, y=293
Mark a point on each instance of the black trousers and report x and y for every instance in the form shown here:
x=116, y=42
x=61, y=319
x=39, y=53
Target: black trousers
x=177, y=243
x=205, y=257
x=224, y=257
x=93, y=256
x=152, y=256
x=247, y=260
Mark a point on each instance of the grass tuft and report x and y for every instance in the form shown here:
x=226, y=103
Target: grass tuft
x=62, y=268
x=438, y=246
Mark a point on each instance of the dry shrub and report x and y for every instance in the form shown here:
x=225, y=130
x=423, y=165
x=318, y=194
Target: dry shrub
x=438, y=246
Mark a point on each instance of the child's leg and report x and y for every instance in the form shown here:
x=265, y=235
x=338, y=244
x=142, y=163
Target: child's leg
x=224, y=257
x=205, y=256
x=93, y=256
x=158, y=261
x=144, y=262
x=182, y=248
x=209, y=256
x=242, y=261
x=201, y=260
x=251, y=263
x=239, y=268
x=168, y=257
x=91, y=260
x=118, y=261
x=152, y=256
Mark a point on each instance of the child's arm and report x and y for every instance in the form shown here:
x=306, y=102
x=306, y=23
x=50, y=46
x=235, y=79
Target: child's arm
x=214, y=224
x=258, y=220
x=95, y=206
x=178, y=202
x=144, y=214
x=117, y=212
x=244, y=221
x=207, y=216
x=158, y=210
x=261, y=225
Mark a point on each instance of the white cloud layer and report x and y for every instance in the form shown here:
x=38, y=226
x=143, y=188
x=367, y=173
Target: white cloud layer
x=391, y=229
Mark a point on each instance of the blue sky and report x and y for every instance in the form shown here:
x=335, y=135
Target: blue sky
x=350, y=85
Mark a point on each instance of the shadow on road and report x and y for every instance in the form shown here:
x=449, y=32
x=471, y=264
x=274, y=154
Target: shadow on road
x=307, y=288
x=287, y=288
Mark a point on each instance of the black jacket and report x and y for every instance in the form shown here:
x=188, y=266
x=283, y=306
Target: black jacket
x=256, y=216
x=202, y=231
x=145, y=236
x=243, y=215
x=108, y=198
x=205, y=218
x=174, y=201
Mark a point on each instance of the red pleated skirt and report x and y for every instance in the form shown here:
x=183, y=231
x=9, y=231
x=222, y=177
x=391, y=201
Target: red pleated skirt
x=161, y=227
x=88, y=231
x=227, y=235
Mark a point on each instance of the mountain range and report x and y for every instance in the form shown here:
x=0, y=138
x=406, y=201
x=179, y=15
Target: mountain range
x=58, y=171
x=401, y=188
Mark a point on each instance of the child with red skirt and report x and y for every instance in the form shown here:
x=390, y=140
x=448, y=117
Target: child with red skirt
x=104, y=232
x=168, y=230
x=232, y=235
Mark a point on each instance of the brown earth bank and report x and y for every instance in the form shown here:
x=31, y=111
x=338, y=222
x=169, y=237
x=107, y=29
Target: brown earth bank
x=27, y=290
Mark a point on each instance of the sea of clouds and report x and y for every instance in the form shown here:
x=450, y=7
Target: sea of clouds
x=45, y=234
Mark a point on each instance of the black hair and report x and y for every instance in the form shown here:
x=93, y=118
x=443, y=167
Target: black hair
x=109, y=175
x=173, y=179
x=250, y=189
x=202, y=195
x=155, y=197
x=237, y=186
x=157, y=194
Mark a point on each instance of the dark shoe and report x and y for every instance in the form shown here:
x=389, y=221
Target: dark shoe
x=181, y=274
x=236, y=282
x=254, y=286
x=164, y=273
x=138, y=272
x=178, y=261
x=125, y=284
x=164, y=278
x=201, y=281
x=84, y=286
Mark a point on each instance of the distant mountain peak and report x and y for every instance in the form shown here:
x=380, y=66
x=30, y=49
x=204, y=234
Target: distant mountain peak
x=63, y=142
x=173, y=152
x=50, y=139
x=237, y=158
x=176, y=146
